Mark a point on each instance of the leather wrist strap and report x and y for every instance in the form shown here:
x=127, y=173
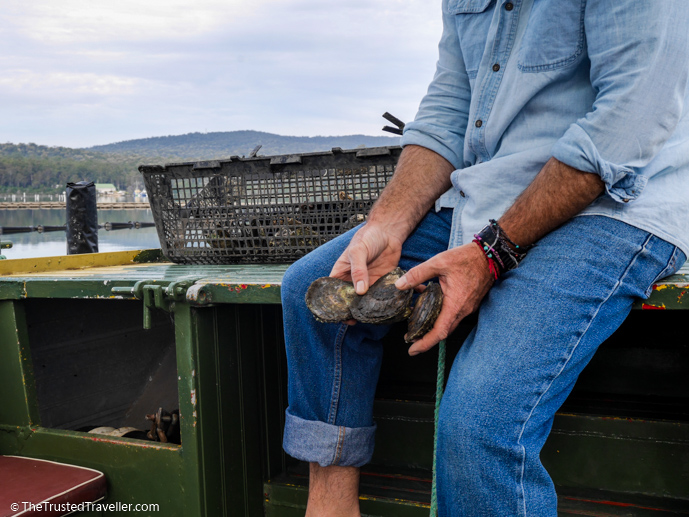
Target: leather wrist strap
x=496, y=246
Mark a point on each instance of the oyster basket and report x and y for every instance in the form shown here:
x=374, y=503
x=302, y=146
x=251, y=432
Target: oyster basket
x=267, y=209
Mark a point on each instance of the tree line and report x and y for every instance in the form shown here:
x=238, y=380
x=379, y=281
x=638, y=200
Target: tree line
x=44, y=169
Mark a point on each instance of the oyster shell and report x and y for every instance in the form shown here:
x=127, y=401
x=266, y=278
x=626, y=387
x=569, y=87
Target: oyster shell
x=383, y=303
x=425, y=312
x=329, y=299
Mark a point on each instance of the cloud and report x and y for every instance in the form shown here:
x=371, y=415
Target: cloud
x=93, y=21
x=132, y=69
x=27, y=83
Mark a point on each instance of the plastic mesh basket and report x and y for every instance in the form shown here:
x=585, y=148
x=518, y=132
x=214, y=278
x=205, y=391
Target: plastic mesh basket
x=264, y=209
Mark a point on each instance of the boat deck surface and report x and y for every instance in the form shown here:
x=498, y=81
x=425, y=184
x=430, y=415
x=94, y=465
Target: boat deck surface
x=95, y=275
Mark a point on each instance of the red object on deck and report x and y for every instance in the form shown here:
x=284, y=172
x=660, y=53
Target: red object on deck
x=647, y=307
x=26, y=483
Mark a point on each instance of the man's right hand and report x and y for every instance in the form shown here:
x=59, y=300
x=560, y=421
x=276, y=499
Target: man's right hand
x=371, y=253
x=420, y=177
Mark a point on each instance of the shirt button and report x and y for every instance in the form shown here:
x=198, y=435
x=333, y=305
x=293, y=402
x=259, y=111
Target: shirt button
x=496, y=67
x=509, y=6
x=461, y=193
x=626, y=200
x=479, y=123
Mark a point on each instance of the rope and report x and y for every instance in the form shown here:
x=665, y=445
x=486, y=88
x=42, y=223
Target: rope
x=439, y=387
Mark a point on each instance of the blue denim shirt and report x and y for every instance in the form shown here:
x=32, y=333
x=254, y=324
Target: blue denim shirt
x=599, y=85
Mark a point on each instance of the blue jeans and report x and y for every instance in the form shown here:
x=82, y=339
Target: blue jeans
x=538, y=327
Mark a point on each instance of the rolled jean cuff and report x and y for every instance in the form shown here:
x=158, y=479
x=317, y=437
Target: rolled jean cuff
x=327, y=444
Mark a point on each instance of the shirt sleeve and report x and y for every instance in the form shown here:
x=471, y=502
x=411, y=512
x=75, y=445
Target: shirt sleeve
x=440, y=124
x=639, y=53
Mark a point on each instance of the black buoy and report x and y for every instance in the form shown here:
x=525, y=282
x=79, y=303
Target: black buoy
x=82, y=218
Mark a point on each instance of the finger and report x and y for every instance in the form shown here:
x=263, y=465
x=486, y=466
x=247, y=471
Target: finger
x=358, y=259
x=417, y=275
x=444, y=326
x=341, y=269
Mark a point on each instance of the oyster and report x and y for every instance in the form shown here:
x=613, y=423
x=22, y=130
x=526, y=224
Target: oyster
x=329, y=299
x=383, y=303
x=425, y=312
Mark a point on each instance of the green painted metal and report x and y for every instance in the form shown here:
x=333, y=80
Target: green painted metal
x=190, y=419
x=231, y=385
x=136, y=471
x=16, y=372
x=149, y=256
x=211, y=284
x=221, y=284
x=670, y=293
x=627, y=455
x=620, y=455
x=237, y=452
x=404, y=426
x=228, y=418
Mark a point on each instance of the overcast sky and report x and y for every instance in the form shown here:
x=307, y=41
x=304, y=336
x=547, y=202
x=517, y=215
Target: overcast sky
x=85, y=72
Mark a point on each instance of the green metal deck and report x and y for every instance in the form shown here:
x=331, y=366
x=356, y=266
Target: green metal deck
x=620, y=445
x=56, y=277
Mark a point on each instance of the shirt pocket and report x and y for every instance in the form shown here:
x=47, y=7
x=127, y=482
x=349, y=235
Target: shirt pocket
x=554, y=35
x=473, y=18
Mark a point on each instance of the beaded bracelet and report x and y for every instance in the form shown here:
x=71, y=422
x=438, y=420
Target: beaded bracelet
x=494, y=243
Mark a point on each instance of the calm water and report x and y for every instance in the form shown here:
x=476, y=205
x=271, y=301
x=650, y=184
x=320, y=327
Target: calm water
x=34, y=244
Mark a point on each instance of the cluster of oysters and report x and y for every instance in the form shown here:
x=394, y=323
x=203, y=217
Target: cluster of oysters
x=332, y=300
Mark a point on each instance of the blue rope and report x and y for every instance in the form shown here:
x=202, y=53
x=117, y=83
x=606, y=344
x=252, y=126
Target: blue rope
x=439, y=387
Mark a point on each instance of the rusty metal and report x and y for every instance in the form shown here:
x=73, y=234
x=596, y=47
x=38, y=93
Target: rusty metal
x=164, y=426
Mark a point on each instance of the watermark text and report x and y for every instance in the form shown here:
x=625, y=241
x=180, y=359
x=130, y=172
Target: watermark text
x=27, y=506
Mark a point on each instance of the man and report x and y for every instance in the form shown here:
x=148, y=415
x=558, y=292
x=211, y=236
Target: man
x=566, y=121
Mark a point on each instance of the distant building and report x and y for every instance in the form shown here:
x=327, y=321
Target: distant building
x=105, y=189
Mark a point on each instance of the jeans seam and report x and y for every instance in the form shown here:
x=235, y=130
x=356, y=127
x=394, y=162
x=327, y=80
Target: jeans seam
x=670, y=266
x=340, y=443
x=568, y=357
x=337, y=375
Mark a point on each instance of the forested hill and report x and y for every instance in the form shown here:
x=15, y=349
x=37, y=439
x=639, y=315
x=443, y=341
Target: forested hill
x=39, y=168
x=206, y=146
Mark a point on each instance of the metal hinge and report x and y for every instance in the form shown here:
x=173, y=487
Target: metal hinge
x=156, y=295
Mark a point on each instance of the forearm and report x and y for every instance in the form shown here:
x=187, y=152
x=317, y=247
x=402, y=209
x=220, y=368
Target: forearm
x=420, y=178
x=558, y=193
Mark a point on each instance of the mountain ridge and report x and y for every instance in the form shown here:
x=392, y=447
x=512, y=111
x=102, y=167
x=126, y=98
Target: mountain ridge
x=222, y=144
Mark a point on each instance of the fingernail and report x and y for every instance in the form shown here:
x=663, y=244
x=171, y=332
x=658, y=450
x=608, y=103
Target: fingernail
x=401, y=282
x=360, y=287
x=413, y=352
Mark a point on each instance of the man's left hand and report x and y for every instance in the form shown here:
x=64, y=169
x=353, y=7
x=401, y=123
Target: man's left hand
x=464, y=278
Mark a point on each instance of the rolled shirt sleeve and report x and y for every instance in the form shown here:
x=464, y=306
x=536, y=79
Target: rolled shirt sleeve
x=440, y=124
x=639, y=53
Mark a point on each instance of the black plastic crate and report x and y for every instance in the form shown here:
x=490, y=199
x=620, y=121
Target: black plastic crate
x=267, y=209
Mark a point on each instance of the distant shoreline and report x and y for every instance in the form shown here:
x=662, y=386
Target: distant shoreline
x=106, y=205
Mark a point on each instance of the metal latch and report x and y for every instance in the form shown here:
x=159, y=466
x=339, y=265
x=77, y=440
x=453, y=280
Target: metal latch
x=394, y=130
x=156, y=295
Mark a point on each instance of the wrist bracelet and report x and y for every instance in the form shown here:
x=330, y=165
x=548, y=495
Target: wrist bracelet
x=495, y=244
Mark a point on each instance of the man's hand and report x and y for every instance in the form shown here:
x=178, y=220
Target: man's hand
x=420, y=178
x=464, y=278
x=371, y=253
